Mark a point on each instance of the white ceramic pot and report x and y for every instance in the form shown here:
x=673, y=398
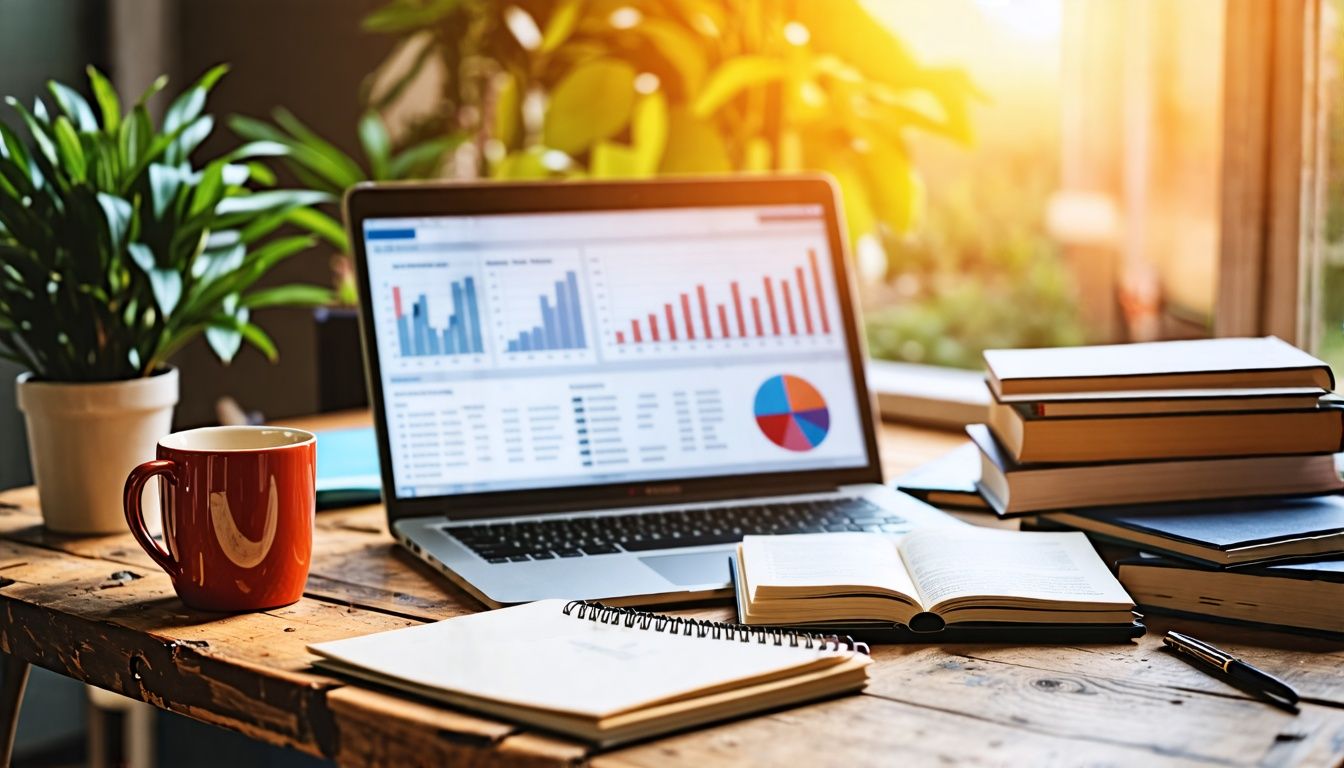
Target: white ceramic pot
x=84, y=439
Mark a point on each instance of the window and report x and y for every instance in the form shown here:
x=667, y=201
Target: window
x=1325, y=241
x=1087, y=207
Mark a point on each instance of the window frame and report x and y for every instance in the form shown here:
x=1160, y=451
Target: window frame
x=1272, y=171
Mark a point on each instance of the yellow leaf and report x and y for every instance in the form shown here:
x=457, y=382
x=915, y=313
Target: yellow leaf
x=735, y=76
x=648, y=130
x=758, y=154
x=591, y=103
x=896, y=191
x=614, y=161
x=523, y=164
x=683, y=51
x=859, y=219
x=508, y=127
x=561, y=24
x=693, y=146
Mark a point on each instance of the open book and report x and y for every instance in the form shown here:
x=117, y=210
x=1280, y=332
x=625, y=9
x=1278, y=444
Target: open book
x=927, y=579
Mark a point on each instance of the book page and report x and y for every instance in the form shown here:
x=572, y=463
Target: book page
x=825, y=560
x=979, y=562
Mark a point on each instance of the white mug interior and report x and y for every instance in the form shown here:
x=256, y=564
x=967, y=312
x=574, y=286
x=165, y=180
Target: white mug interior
x=216, y=439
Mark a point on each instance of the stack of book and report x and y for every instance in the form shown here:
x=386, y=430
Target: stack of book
x=1206, y=454
x=1159, y=422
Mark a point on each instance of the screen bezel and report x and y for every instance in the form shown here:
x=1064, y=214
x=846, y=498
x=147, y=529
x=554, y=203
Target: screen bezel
x=384, y=200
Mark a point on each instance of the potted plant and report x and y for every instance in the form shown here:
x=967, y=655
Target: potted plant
x=115, y=251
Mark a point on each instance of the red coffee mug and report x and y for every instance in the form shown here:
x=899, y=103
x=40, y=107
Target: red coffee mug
x=238, y=507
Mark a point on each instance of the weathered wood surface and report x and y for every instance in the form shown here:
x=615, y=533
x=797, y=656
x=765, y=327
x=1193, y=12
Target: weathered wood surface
x=96, y=609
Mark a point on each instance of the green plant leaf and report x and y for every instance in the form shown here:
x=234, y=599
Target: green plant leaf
x=422, y=160
x=187, y=107
x=108, y=101
x=295, y=295
x=209, y=190
x=403, y=15
x=37, y=129
x=190, y=137
x=74, y=106
x=165, y=283
x=350, y=172
x=735, y=76
x=164, y=183
x=258, y=338
x=270, y=199
x=253, y=129
x=69, y=150
x=117, y=215
x=321, y=225
x=375, y=142
x=254, y=149
x=591, y=103
x=216, y=263
x=225, y=338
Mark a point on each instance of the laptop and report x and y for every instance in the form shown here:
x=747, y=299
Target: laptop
x=593, y=390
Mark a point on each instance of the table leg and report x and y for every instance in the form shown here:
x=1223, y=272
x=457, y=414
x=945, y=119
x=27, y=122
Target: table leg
x=13, y=679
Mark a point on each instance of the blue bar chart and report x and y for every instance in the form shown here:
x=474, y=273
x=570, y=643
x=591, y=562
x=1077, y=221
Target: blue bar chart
x=561, y=326
x=460, y=333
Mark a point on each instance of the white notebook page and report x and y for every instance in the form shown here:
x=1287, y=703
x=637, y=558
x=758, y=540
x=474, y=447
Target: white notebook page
x=535, y=656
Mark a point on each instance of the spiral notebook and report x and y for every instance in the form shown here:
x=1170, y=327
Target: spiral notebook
x=602, y=674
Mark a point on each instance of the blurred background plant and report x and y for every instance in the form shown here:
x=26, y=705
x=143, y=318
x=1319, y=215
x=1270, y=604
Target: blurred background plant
x=981, y=272
x=322, y=167
x=619, y=89
x=115, y=250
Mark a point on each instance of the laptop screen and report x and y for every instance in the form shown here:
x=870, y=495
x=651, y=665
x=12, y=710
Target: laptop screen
x=554, y=350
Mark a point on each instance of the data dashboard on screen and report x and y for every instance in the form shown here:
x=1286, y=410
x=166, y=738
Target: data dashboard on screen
x=523, y=351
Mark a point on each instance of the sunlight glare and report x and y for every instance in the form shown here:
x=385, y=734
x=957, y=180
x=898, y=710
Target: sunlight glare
x=1032, y=19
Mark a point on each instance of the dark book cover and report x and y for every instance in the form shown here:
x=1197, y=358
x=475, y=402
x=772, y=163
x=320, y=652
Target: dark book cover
x=1227, y=525
x=949, y=480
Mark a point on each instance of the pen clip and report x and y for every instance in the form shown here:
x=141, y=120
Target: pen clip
x=1199, y=649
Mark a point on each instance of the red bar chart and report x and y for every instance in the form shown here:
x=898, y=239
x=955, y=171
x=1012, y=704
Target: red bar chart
x=789, y=303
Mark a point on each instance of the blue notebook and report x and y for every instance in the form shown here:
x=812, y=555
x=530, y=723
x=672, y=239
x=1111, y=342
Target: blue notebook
x=1223, y=533
x=347, y=468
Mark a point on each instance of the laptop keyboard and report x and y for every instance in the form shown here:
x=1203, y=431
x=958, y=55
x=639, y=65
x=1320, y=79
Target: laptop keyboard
x=579, y=536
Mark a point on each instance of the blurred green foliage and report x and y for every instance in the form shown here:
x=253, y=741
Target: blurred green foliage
x=317, y=163
x=980, y=273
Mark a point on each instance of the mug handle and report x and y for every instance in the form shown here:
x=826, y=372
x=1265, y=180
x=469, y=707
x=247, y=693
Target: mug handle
x=135, y=517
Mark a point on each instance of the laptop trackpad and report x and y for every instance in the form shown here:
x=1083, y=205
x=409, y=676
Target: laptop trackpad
x=693, y=568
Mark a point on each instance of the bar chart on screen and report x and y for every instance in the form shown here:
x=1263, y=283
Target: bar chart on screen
x=728, y=297
x=432, y=320
x=539, y=307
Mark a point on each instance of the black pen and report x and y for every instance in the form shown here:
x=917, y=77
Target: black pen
x=1236, y=669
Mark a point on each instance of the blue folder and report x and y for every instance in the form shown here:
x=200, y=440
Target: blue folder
x=347, y=468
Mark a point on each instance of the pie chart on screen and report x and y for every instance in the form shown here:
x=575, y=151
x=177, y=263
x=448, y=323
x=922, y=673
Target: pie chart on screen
x=792, y=413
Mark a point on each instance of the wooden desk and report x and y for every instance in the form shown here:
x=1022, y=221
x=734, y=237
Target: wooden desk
x=98, y=611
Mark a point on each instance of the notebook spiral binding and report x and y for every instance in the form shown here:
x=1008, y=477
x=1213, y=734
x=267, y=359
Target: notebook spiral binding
x=715, y=630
